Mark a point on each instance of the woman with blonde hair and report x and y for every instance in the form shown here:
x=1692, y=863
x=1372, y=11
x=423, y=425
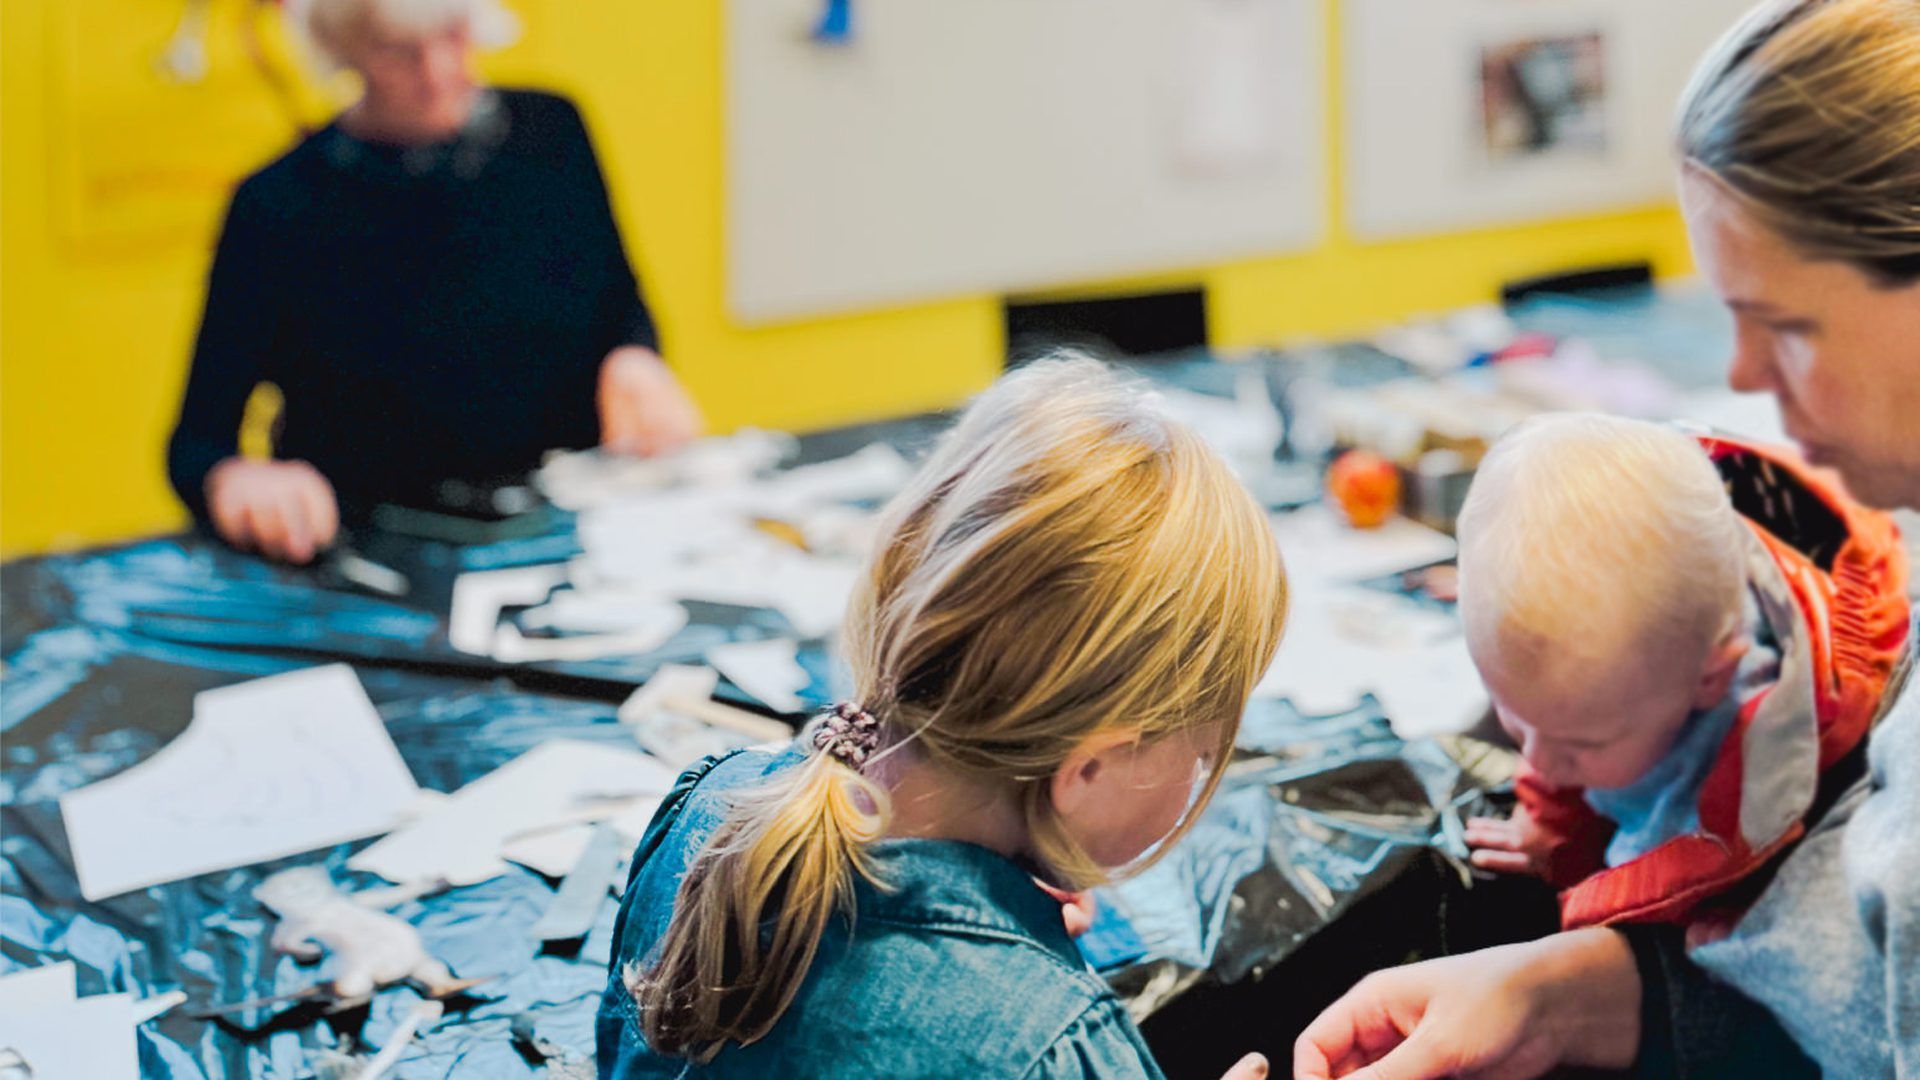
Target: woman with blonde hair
x=435, y=283
x=1800, y=181
x=1050, y=653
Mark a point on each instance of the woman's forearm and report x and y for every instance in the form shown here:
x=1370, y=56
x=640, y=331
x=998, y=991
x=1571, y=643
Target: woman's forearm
x=1587, y=987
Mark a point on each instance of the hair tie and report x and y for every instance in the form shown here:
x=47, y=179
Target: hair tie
x=848, y=733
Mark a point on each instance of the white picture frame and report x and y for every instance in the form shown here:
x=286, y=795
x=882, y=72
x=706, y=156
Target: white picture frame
x=1416, y=157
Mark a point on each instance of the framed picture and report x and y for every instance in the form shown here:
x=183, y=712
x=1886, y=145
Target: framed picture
x=1467, y=114
x=1544, y=97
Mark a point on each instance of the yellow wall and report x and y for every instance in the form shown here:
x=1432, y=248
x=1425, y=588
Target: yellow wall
x=111, y=183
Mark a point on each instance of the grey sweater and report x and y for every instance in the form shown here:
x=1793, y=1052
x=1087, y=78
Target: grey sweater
x=1832, y=946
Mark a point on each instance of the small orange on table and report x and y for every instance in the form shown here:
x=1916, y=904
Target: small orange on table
x=1365, y=487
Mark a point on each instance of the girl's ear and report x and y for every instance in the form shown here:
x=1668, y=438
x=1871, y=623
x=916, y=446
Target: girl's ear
x=1079, y=781
x=1074, y=782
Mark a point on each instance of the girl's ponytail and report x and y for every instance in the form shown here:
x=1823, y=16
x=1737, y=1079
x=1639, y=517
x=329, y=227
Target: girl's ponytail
x=752, y=908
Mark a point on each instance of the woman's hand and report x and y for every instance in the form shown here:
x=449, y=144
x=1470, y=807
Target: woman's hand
x=283, y=509
x=643, y=409
x=1515, y=845
x=1572, y=999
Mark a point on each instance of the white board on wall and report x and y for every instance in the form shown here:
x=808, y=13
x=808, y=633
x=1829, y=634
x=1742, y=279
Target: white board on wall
x=964, y=146
x=1420, y=156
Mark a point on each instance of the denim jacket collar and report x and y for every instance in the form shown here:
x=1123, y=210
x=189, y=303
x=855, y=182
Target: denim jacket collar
x=960, y=887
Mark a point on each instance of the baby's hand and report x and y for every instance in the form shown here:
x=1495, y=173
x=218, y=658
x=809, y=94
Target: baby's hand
x=1513, y=846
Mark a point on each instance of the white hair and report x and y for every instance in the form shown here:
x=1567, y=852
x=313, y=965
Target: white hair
x=329, y=26
x=1594, y=540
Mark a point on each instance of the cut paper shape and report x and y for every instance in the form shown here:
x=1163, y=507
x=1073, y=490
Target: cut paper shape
x=267, y=769
x=48, y=984
x=584, y=889
x=876, y=471
x=581, y=479
x=680, y=740
x=1433, y=691
x=811, y=593
x=675, y=719
x=555, y=850
x=606, y=611
x=792, y=542
x=473, y=619
x=1344, y=642
x=1319, y=547
x=89, y=1037
x=671, y=683
x=562, y=781
x=653, y=624
x=769, y=671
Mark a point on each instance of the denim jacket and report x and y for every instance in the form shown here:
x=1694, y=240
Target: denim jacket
x=963, y=968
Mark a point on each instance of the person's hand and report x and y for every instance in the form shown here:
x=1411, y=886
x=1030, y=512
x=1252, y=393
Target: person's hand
x=1251, y=1067
x=1572, y=999
x=283, y=509
x=1516, y=845
x=643, y=408
x=1076, y=908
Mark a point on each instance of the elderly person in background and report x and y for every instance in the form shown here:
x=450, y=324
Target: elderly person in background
x=435, y=282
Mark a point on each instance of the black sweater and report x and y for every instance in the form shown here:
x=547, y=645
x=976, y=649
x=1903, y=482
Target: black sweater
x=429, y=313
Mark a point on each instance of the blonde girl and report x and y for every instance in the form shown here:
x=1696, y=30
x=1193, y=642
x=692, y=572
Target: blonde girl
x=1050, y=653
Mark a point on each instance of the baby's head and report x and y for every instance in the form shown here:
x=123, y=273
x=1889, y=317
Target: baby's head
x=1602, y=583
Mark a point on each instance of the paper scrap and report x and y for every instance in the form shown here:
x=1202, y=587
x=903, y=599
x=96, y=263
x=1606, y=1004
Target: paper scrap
x=634, y=541
x=876, y=471
x=670, y=682
x=157, y=1006
x=267, y=768
x=1343, y=642
x=717, y=542
x=513, y=647
x=48, y=984
x=606, y=611
x=474, y=617
x=562, y=781
x=812, y=593
x=769, y=671
x=587, y=478
x=89, y=1037
x=554, y=852
x=424, y=1014
x=1433, y=691
x=680, y=740
x=583, y=889
x=1318, y=546
x=621, y=621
